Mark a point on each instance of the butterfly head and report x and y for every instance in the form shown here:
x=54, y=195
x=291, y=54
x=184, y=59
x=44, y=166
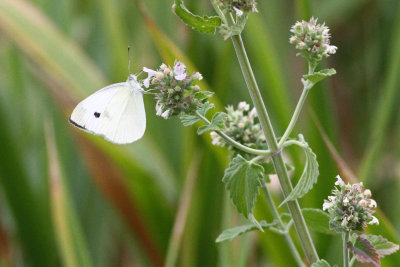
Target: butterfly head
x=132, y=80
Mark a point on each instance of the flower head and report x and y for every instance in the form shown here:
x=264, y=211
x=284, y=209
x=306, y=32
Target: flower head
x=175, y=89
x=350, y=208
x=242, y=125
x=312, y=39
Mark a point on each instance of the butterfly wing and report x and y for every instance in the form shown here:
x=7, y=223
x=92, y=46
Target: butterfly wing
x=115, y=112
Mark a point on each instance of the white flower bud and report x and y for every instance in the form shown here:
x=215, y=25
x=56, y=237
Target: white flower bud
x=159, y=75
x=167, y=71
x=367, y=193
x=362, y=203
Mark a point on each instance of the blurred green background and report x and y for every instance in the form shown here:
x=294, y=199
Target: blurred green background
x=71, y=199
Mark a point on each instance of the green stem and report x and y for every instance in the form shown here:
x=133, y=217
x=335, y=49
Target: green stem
x=277, y=158
x=353, y=259
x=307, y=86
x=277, y=217
x=233, y=142
x=345, y=239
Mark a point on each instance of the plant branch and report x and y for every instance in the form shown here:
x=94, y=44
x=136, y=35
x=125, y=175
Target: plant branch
x=306, y=88
x=345, y=239
x=294, y=207
x=278, y=219
x=233, y=142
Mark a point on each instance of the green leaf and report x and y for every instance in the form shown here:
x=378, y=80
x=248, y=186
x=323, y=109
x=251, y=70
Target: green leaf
x=217, y=124
x=382, y=245
x=205, y=108
x=309, y=176
x=364, y=251
x=188, y=120
x=321, y=263
x=202, y=24
x=316, y=220
x=320, y=75
x=242, y=179
x=231, y=233
x=203, y=95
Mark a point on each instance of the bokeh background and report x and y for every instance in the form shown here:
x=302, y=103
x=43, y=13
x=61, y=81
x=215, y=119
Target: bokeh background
x=71, y=199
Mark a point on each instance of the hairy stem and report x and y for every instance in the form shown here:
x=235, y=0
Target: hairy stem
x=345, y=239
x=307, y=86
x=277, y=158
x=277, y=217
x=233, y=142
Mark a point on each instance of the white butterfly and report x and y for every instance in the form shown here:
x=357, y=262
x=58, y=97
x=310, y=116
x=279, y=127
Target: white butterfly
x=115, y=112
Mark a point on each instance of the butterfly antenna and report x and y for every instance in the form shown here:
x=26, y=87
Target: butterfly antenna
x=129, y=60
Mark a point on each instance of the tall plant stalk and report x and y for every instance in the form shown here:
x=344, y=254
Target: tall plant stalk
x=277, y=158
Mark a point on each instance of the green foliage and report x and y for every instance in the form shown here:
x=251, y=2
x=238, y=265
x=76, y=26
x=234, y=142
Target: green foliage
x=321, y=263
x=202, y=24
x=242, y=179
x=231, y=233
x=316, y=220
x=217, y=124
x=203, y=95
x=308, y=177
x=320, y=75
x=382, y=245
x=364, y=251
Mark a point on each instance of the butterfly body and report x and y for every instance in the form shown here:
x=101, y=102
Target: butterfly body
x=115, y=112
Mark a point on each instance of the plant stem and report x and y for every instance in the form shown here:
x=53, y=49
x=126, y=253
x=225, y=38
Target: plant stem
x=345, y=239
x=233, y=142
x=307, y=86
x=353, y=259
x=294, y=207
x=277, y=217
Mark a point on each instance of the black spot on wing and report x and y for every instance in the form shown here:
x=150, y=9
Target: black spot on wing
x=97, y=114
x=76, y=124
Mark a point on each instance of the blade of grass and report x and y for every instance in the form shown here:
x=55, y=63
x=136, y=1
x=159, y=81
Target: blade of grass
x=384, y=109
x=182, y=213
x=71, y=241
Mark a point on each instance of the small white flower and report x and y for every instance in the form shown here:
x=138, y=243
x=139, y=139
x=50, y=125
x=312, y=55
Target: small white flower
x=372, y=203
x=197, y=76
x=345, y=201
x=292, y=39
x=151, y=73
x=215, y=138
x=165, y=114
x=363, y=203
x=241, y=125
x=327, y=205
x=367, y=193
x=331, y=49
x=243, y=105
x=374, y=221
x=345, y=222
x=180, y=71
x=158, y=109
x=339, y=181
x=331, y=198
x=239, y=12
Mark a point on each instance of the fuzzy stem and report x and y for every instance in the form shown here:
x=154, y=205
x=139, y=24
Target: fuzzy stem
x=277, y=217
x=345, y=239
x=277, y=158
x=233, y=142
x=307, y=86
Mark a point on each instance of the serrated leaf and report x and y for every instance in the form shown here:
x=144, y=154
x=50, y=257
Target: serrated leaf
x=231, y=233
x=217, y=124
x=188, y=120
x=202, y=24
x=242, y=179
x=203, y=95
x=382, y=245
x=320, y=75
x=316, y=220
x=364, y=251
x=308, y=178
x=321, y=263
x=205, y=108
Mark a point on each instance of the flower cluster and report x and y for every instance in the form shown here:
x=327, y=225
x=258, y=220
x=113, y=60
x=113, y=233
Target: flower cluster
x=242, y=125
x=175, y=89
x=240, y=6
x=350, y=208
x=312, y=39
